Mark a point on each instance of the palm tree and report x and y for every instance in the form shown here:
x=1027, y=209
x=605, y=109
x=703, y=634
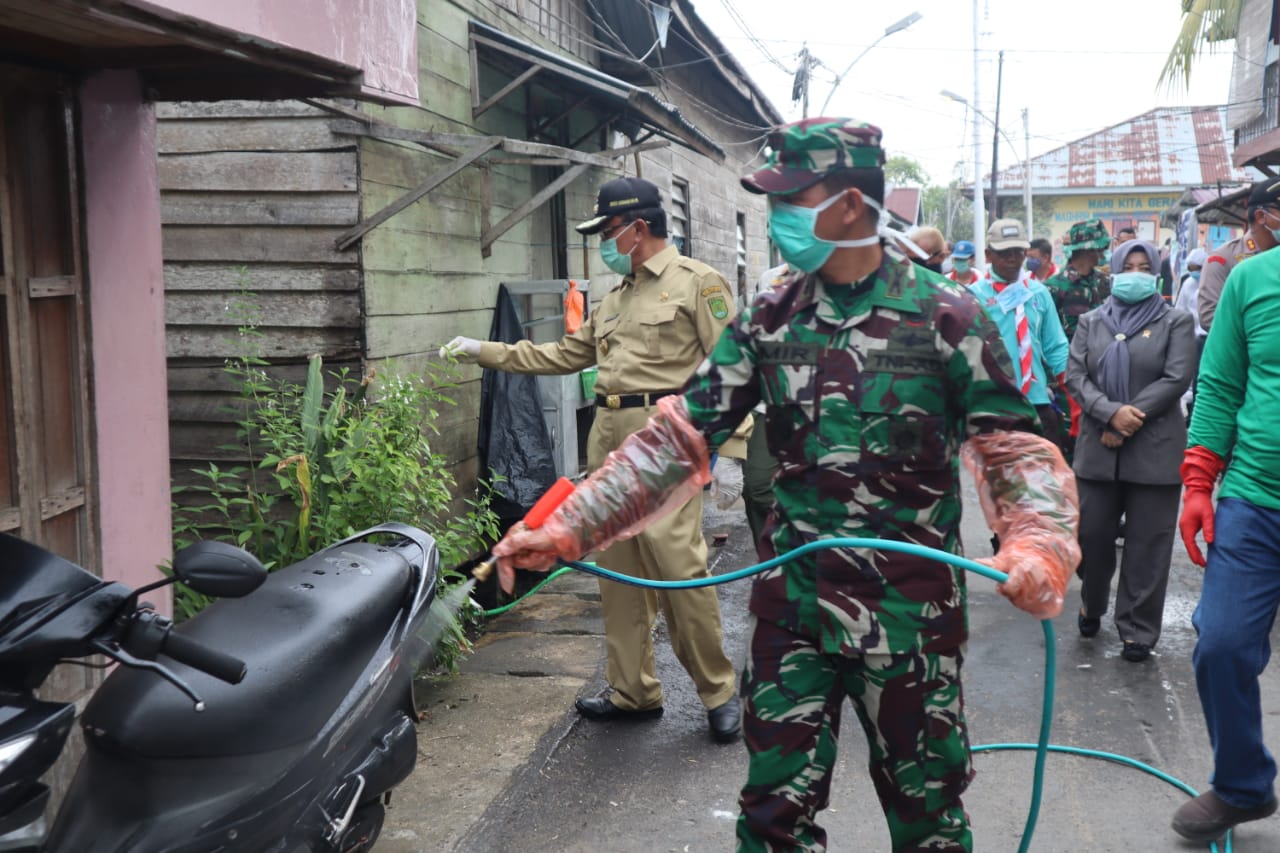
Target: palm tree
x=1204, y=22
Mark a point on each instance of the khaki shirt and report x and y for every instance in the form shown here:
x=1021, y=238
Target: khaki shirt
x=1214, y=275
x=647, y=335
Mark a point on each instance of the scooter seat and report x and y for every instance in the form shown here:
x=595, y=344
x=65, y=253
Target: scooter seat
x=305, y=635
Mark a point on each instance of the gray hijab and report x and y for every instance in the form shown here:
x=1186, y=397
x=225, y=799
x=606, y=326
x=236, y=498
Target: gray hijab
x=1125, y=320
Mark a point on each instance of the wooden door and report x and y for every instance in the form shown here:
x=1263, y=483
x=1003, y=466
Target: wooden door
x=45, y=458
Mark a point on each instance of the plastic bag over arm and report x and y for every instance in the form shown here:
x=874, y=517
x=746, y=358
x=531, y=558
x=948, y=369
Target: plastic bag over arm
x=1029, y=498
x=653, y=472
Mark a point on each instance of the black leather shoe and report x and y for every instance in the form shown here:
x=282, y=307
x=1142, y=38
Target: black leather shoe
x=1088, y=626
x=600, y=708
x=1135, y=652
x=1208, y=817
x=726, y=721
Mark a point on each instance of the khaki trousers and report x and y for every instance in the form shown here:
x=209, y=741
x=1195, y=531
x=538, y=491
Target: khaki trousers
x=670, y=549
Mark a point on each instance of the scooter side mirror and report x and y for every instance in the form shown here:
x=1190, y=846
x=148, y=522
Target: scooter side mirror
x=218, y=569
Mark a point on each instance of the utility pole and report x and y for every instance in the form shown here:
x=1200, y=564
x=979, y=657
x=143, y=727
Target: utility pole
x=1026, y=167
x=995, y=141
x=979, y=230
x=800, y=86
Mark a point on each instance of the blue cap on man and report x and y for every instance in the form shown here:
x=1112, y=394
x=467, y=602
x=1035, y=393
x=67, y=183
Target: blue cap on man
x=963, y=249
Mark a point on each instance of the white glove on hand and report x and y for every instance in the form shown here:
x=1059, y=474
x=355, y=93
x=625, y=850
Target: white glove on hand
x=463, y=349
x=726, y=481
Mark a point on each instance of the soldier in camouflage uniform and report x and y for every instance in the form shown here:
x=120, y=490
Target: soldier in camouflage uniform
x=1082, y=285
x=873, y=372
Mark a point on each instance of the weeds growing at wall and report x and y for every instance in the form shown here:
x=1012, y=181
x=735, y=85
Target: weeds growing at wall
x=320, y=465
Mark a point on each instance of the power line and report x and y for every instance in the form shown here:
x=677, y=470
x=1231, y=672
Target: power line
x=738, y=19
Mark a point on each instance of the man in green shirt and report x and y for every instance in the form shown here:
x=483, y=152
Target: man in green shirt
x=1237, y=407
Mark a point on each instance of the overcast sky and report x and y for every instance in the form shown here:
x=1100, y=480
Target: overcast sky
x=1078, y=66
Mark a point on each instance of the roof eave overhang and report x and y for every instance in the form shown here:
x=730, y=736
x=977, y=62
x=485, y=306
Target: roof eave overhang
x=661, y=118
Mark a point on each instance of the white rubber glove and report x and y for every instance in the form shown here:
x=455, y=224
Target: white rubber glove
x=463, y=349
x=726, y=481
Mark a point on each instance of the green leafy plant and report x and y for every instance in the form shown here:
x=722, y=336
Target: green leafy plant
x=320, y=465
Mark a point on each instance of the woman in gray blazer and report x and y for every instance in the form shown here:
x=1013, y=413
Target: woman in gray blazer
x=1131, y=360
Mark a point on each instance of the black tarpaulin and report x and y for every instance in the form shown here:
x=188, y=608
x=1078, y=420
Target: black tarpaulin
x=513, y=441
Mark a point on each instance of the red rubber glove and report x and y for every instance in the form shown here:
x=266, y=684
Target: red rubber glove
x=1200, y=470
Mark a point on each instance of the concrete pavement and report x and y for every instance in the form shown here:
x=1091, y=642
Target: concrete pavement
x=501, y=717
x=505, y=763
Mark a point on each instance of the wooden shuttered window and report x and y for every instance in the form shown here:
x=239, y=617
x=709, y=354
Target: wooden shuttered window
x=45, y=462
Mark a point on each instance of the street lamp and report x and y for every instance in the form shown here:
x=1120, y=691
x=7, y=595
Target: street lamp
x=888, y=31
x=1026, y=163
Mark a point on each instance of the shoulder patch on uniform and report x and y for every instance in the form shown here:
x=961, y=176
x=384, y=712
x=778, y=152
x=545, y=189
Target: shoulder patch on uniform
x=707, y=291
x=1213, y=258
x=719, y=307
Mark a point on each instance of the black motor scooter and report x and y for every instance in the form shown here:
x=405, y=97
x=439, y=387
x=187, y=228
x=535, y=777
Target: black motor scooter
x=277, y=721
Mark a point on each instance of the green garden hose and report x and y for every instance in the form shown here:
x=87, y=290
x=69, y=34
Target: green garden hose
x=1042, y=748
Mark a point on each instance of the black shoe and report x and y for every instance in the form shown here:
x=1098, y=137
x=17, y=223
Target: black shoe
x=1208, y=817
x=600, y=708
x=1088, y=626
x=1135, y=652
x=726, y=721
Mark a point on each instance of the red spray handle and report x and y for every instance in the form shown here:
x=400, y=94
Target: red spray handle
x=547, y=504
x=534, y=518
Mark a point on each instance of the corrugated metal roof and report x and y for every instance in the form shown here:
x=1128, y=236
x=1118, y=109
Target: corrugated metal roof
x=1166, y=147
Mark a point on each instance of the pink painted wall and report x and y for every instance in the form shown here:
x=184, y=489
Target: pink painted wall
x=377, y=37
x=125, y=281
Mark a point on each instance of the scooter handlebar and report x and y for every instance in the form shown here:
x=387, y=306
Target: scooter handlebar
x=199, y=656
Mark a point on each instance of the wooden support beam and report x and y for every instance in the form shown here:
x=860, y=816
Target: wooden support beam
x=540, y=198
x=638, y=147
x=603, y=160
x=556, y=119
x=584, y=137
x=478, y=148
x=493, y=99
x=338, y=109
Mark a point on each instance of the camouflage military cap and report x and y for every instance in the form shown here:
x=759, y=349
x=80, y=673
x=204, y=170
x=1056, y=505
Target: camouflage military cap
x=804, y=152
x=1089, y=234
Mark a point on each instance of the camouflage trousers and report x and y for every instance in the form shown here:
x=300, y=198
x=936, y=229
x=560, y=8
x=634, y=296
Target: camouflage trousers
x=912, y=710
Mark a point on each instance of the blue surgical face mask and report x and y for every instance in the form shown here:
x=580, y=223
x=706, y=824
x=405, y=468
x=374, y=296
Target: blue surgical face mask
x=1194, y=274
x=1033, y=264
x=1275, y=232
x=1132, y=287
x=791, y=230
x=613, y=259
x=961, y=266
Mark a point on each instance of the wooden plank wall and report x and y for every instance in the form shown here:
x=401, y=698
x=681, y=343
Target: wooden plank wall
x=252, y=196
x=425, y=279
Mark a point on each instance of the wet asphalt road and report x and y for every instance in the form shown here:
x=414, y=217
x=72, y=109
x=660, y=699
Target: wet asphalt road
x=664, y=786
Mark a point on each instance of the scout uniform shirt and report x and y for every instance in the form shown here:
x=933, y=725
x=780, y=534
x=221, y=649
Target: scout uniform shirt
x=1214, y=274
x=1049, y=345
x=646, y=336
x=870, y=389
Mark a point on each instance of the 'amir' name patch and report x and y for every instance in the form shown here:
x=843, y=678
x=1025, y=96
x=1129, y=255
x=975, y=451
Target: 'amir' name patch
x=787, y=352
x=719, y=308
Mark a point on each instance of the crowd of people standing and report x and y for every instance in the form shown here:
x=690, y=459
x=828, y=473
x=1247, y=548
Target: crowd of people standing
x=867, y=373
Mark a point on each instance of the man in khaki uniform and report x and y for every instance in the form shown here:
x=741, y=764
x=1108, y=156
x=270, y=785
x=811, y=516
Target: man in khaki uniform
x=1262, y=235
x=646, y=337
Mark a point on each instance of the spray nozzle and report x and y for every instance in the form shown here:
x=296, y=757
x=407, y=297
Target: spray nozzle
x=534, y=519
